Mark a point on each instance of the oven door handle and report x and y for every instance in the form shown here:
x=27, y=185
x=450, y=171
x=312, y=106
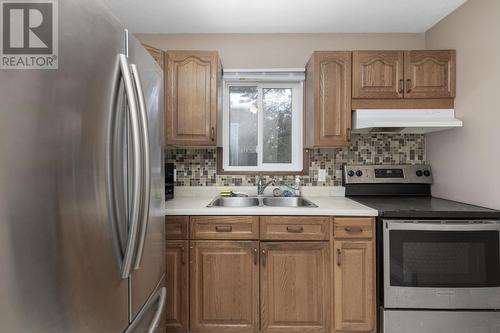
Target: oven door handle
x=444, y=226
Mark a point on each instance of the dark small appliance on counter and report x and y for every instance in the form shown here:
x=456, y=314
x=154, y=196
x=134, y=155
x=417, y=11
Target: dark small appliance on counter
x=169, y=181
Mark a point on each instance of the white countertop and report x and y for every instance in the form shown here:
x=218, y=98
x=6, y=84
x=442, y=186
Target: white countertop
x=190, y=204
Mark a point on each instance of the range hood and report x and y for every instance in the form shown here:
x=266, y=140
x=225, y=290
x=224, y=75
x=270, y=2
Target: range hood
x=417, y=121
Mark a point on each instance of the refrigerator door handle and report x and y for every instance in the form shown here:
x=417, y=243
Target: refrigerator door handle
x=159, y=297
x=146, y=158
x=136, y=167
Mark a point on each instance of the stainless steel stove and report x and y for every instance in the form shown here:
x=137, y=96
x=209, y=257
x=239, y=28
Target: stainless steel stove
x=438, y=260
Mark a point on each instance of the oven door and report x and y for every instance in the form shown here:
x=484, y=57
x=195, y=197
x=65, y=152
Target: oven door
x=441, y=264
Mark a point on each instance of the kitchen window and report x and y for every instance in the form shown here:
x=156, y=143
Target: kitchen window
x=262, y=119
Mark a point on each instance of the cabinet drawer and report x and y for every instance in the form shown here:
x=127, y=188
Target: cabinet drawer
x=353, y=227
x=176, y=227
x=225, y=227
x=294, y=228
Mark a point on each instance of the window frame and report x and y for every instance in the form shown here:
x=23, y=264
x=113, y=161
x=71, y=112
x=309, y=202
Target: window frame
x=297, y=86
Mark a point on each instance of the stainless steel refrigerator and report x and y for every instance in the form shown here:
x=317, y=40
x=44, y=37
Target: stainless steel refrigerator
x=81, y=184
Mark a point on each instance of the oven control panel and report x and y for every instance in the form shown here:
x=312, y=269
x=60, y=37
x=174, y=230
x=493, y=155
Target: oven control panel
x=377, y=174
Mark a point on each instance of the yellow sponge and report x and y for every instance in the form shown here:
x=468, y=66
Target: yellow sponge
x=226, y=193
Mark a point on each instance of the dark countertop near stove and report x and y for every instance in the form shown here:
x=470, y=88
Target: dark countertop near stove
x=421, y=207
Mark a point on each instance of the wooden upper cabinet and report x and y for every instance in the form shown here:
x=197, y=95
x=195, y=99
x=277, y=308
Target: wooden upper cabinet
x=430, y=74
x=177, y=303
x=328, y=99
x=377, y=74
x=157, y=54
x=224, y=286
x=354, y=286
x=295, y=286
x=192, y=96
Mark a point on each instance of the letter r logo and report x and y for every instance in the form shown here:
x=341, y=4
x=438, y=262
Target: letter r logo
x=27, y=28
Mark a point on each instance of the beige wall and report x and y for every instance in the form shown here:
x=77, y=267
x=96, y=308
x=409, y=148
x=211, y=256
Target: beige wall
x=279, y=50
x=466, y=161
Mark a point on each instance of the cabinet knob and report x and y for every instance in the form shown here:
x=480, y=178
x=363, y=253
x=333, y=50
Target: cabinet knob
x=263, y=258
x=408, y=85
x=401, y=86
x=183, y=255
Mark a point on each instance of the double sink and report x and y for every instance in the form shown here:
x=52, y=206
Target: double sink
x=261, y=201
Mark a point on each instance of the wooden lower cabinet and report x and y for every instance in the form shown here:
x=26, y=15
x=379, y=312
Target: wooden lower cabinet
x=295, y=287
x=354, y=286
x=177, y=305
x=279, y=286
x=224, y=286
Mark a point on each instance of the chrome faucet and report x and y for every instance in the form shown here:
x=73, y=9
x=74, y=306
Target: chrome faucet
x=261, y=186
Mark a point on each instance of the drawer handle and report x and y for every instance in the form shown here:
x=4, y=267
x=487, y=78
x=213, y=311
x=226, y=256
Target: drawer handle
x=296, y=230
x=349, y=229
x=225, y=228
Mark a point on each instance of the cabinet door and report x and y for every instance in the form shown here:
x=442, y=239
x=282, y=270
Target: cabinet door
x=157, y=54
x=430, y=74
x=354, y=286
x=177, y=306
x=295, y=287
x=191, y=85
x=377, y=74
x=224, y=286
x=328, y=99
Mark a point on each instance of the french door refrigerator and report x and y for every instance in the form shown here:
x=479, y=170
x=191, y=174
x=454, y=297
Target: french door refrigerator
x=81, y=184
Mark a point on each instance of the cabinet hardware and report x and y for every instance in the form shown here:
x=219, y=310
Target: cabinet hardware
x=255, y=255
x=349, y=229
x=263, y=259
x=296, y=230
x=348, y=135
x=225, y=228
x=339, y=256
x=183, y=255
x=401, y=86
x=212, y=133
x=408, y=85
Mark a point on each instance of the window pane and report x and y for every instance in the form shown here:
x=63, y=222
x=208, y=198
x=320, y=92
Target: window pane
x=277, y=108
x=242, y=126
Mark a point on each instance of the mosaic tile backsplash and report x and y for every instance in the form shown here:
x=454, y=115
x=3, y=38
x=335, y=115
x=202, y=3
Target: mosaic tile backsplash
x=198, y=167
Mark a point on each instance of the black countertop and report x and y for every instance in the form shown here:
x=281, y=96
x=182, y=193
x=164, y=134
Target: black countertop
x=422, y=207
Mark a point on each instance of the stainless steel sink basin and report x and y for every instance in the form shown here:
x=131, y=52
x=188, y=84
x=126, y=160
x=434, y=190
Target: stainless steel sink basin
x=287, y=202
x=235, y=202
x=261, y=201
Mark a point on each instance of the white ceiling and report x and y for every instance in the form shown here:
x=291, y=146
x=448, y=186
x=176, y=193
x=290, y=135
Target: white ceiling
x=281, y=16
